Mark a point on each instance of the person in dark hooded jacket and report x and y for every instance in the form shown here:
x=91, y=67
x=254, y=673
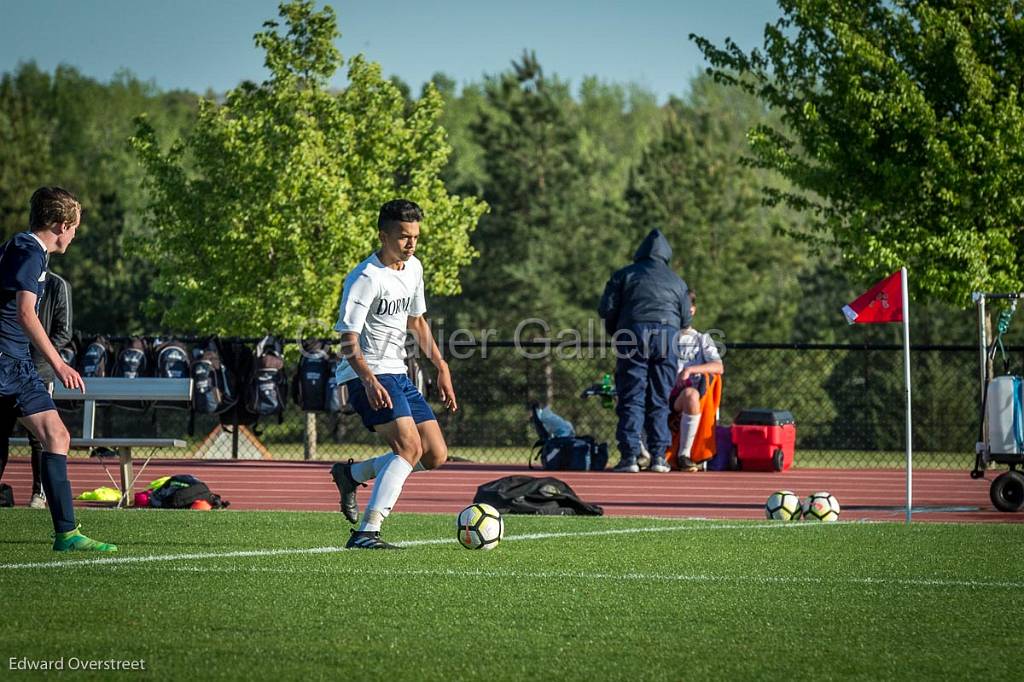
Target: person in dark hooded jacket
x=644, y=306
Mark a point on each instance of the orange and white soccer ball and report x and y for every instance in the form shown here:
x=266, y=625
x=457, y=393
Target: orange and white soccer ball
x=480, y=526
x=821, y=506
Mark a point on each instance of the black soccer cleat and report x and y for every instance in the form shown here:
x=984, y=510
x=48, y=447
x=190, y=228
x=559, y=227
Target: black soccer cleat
x=367, y=539
x=347, y=486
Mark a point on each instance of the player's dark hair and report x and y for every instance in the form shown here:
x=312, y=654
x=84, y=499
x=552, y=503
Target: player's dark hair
x=693, y=296
x=398, y=211
x=50, y=205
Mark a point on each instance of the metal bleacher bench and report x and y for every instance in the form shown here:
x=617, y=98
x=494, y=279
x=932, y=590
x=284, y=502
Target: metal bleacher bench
x=107, y=389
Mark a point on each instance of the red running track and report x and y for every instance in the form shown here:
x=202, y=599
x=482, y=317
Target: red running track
x=288, y=485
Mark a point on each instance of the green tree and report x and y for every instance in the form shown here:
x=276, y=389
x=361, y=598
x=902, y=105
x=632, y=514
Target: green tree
x=283, y=184
x=553, y=170
x=692, y=184
x=904, y=126
x=464, y=173
x=25, y=135
x=67, y=129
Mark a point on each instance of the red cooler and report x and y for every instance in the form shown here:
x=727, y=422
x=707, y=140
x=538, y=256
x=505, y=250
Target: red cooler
x=764, y=439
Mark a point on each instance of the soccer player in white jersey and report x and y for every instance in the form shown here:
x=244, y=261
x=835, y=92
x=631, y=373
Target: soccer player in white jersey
x=382, y=300
x=698, y=355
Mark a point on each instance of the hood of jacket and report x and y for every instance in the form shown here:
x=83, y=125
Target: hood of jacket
x=654, y=246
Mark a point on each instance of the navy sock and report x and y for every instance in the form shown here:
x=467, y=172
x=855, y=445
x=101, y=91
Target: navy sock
x=58, y=492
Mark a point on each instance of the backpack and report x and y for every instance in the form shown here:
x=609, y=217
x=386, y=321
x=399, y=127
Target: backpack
x=133, y=359
x=69, y=353
x=239, y=365
x=571, y=453
x=180, y=491
x=132, y=362
x=211, y=390
x=337, y=396
x=312, y=379
x=562, y=453
x=267, y=388
x=96, y=359
x=171, y=360
x=6, y=495
x=534, y=495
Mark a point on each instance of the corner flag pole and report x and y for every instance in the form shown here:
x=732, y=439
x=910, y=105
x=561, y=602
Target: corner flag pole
x=906, y=378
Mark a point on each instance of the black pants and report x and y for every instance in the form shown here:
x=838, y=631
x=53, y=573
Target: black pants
x=7, y=423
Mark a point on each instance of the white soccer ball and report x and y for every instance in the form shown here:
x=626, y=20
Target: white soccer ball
x=782, y=505
x=820, y=507
x=480, y=526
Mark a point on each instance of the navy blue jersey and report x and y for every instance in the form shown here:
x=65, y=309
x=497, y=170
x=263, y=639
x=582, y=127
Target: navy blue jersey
x=22, y=268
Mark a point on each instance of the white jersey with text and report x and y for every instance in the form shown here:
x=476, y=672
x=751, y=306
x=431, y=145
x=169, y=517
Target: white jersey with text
x=696, y=348
x=376, y=303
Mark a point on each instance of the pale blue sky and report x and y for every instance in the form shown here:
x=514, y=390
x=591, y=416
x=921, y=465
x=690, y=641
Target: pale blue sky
x=200, y=44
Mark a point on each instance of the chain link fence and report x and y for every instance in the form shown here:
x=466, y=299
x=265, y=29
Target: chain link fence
x=848, y=402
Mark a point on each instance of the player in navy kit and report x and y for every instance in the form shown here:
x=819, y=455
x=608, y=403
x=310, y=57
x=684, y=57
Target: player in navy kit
x=54, y=215
x=381, y=302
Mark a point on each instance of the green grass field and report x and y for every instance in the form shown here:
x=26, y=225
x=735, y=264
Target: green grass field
x=230, y=595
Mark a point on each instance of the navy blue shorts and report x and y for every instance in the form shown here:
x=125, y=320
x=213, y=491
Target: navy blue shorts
x=406, y=401
x=21, y=389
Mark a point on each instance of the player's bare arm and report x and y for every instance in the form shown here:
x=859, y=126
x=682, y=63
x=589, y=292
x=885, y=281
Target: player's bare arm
x=715, y=367
x=29, y=321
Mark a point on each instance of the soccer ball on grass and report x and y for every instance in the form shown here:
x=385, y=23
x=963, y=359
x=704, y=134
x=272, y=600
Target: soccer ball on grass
x=821, y=506
x=480, y=526
x=782, y=505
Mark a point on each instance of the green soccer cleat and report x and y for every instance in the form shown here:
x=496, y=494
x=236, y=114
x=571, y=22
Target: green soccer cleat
x=74, y=541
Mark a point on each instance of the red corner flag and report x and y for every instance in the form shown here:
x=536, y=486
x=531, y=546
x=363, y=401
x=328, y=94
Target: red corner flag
x=882, y=303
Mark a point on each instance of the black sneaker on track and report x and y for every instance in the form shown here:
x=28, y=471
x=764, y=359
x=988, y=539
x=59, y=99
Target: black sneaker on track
x=627, y=465
x=367, y=539
x=347, y=487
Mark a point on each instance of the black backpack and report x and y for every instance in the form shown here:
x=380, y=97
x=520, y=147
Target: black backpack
x=171, y=360
x=96, y=358
x=267, y=388
x=570, y=453
x=180, y=491
x=6, y=495
x=534, y=495
x=240, y=365
x=68, y=353
x=211, y=385
x=565, y=453
x=313, y=378
x=133, y=359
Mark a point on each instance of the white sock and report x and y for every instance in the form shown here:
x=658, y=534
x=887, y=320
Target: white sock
x=688, y=424
x=385, y=492
x=371, y=468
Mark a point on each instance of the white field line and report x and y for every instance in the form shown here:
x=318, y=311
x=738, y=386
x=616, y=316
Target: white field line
x=116, y=561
